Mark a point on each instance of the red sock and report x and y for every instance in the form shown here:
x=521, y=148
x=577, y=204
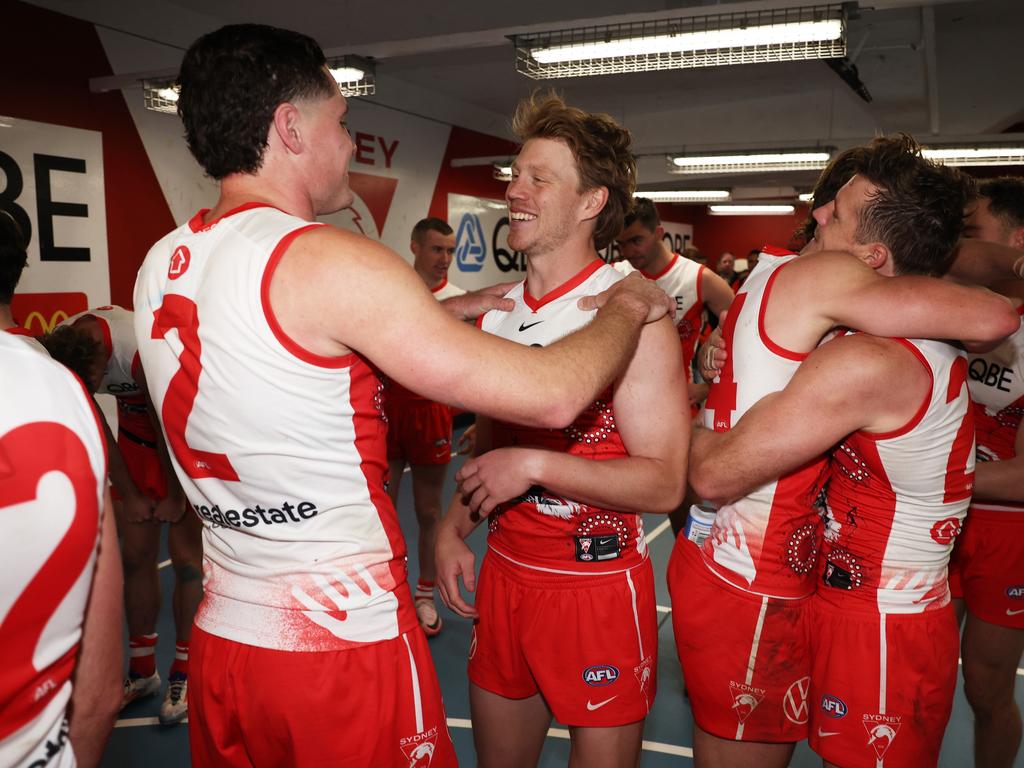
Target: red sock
x=424, y=589
x=180, y=665
x=142, y=653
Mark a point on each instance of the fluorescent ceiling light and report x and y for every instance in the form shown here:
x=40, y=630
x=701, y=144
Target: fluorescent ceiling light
x=502, y=172
x=684, y=195
x=354, y=75
x=797, y=160
x=711, y=39
x=782, y=34
x=1007, y=155
x=806, y=197
x=750, y=210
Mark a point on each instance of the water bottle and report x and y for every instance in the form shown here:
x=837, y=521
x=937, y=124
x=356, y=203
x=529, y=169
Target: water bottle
x=698, y=523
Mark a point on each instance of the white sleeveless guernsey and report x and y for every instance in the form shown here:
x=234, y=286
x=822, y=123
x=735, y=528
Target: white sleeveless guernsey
x=53, y=474
x=281, y=452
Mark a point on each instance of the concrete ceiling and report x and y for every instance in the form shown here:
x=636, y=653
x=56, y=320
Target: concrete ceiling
x=938, y=69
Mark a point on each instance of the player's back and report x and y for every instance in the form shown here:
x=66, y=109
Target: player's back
x=896, y=501
x=280, y=451
x=767, y=541
x=52, y=480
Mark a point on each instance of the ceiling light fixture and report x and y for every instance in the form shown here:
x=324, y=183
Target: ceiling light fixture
x=783, y=34
x=354, y=75
x=684, y=195
x=1005, y=155
x=750, y=210
x=782, y=160
x=502, y=172
x=805, y=197
x=161, y=95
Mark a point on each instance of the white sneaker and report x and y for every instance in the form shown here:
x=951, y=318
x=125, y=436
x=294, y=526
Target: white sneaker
x=429, y=618
x=174, y=708
x=136, y=687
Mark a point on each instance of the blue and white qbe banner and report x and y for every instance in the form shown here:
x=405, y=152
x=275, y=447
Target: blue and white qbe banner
x=482, y=255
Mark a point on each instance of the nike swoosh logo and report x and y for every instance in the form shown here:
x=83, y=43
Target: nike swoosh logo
x=592, y=707
x=524, y=326
x=822, y=734
x=1013, y=613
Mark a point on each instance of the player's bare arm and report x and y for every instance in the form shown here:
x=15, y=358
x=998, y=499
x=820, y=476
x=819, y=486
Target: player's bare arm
x=328, y=293
x=980, y=262
x=650, y=480
x=833, y=289
x=473, y=304
x=171, y=508
x=453, y=559
x=716, y=292
x=97, y=694
x=842, y=387
x=1002, y=480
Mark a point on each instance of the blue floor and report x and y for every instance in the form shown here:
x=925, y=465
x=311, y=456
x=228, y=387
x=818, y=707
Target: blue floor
x=140, y=742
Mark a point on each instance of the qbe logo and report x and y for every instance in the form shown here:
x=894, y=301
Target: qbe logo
x=470, y=248
x=600, y=675
x=833, y=706
x=1015, y=592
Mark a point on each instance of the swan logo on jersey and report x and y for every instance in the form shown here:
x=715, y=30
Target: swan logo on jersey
x=600, y=675
x=745, y=699
x=180, y=260
x=1016, y=592
x=882, y=730
x=643, y=673
x=553, y=506
x=794, y=703
x=419, y=749
x=833, y=706
x=945, y=531
x=470, y=248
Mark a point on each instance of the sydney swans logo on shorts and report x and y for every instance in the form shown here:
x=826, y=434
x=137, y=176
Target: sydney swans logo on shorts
x=419, y=749
x=471, y=248
x=882, y=730
x=745, y=699
x=600, y=675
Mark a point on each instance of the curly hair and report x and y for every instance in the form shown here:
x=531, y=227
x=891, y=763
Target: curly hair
x=603, y=150
x=232, y=80
x=13, y=255
x=75, y=349
x=918, y=210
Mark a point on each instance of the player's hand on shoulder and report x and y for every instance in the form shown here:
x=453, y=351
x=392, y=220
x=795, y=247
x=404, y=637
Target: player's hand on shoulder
x=453, y=559
x=473, y=304
x=637, y=292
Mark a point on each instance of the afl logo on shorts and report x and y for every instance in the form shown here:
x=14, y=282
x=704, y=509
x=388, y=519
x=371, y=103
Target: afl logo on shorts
x=833, y=706
x=179, y=262
x=1015, y=592
x=600, y=675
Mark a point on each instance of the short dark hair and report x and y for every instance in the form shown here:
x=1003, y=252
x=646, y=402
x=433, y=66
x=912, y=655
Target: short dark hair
x=840, y=170
x=603, y=150
x=693, y=253
x=431, y=224
x=1005, y=196
x=918, y=210
x=75, y=348
x=645, y=211
x=13, y=256
x=232, y=80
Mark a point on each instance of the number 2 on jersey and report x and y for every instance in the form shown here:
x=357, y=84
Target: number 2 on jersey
x=180, y=313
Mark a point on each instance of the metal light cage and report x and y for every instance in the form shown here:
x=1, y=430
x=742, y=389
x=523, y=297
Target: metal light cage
x=364, y=86
x=156, y=95
x=662, y=34
x=813, y=159
x=977, y=155
x=685, y=195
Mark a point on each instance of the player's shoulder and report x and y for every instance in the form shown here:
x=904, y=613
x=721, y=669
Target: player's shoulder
x=860, y=358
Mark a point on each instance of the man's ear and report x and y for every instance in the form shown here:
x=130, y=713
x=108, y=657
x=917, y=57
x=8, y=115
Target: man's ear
x=593, y=202
x=877, y=256
x=660, y=232
x=287, y=126
x=1017, y=238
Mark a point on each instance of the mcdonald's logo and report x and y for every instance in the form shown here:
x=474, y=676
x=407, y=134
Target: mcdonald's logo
x=40, y=313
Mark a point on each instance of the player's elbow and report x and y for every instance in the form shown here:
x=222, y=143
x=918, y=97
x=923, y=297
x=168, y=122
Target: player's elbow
x=670, y=494
x=999, y=319
x=710, y=482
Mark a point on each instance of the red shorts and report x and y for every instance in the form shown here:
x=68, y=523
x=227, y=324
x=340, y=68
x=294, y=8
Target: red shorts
x=881, y=685
x=588, y=644
x=745, y=658
x=419, y=431
x=987, y=568
x=143, y=465
x=379, y=705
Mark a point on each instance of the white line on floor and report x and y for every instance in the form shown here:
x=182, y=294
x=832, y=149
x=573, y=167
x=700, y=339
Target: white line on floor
x=658, y=531
x=456, y=722
x=664, y=609
x=164, y=564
